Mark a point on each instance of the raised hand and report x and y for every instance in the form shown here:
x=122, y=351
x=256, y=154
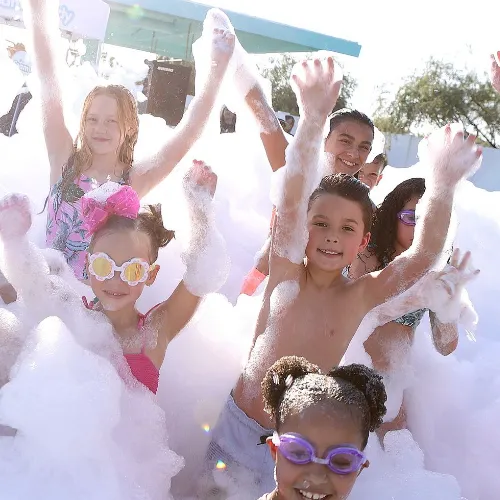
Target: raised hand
x=201, y=177
x=222, y=47
x=317, y=85
x=448, y=301
x=495, y=71
x=15, y=216
x=450, y=155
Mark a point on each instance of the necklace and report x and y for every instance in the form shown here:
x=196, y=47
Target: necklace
x=95, y=183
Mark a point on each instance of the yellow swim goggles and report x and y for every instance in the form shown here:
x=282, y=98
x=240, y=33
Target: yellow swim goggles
x=133, y=272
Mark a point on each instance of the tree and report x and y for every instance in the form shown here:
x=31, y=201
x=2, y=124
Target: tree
x=283, y=96
x=439, y=95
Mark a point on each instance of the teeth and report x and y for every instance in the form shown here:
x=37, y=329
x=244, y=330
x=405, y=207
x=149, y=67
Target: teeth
x=329, y=252
x=312, y=496
x=348, y=163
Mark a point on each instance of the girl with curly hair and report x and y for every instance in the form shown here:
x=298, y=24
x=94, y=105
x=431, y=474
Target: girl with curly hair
x=322, y=424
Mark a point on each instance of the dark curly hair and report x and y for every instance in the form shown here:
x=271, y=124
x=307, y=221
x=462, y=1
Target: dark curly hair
x=347, y=187
x=148, y=221
x=293, y=384
x=385, y=220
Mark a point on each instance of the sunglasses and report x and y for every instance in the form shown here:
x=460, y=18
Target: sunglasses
x=407, y=217
x=132, y=272
x=297, y=450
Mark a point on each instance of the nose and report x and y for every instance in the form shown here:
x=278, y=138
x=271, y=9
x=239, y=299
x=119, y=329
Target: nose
x=316, y=475
x=332, y=238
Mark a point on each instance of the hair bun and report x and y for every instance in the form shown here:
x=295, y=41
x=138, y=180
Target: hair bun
x=280, y=377
x=370, y=383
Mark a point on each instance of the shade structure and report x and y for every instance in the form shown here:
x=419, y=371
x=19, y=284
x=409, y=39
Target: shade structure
x=169, y=27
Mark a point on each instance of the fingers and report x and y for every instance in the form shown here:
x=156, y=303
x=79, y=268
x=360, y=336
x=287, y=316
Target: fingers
x=465, y=262
x=455, y=257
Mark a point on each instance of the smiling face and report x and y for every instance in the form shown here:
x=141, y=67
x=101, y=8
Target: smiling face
x=348, y=147
x=102, y=130
x=336, y=232
x=325, y=430
x=121, y=246
x=371, y=174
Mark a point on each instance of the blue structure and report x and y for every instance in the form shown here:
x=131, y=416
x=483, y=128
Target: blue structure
x=169, y=27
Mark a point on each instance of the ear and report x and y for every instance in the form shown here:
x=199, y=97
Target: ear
x=272, y=447
x=152, y=275
x=364, y=242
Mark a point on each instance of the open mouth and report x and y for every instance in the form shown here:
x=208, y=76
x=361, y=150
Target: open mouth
x=330, y=253
x=312, y=496
x=114, y=294
x=350, y=164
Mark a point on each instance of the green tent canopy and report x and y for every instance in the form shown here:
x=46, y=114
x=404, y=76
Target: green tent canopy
x=169, y=27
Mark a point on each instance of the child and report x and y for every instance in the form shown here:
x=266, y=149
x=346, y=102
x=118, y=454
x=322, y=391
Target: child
x=322, y=423
x=123, y=251
x=104, y=147
x=309, y=308
x=347, y=146
x=121, y=262
x=370, y=174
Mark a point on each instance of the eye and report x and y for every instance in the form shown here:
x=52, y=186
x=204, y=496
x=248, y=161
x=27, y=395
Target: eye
x=320, y=224
x=345, y=141
x=91, y=119
x=348, y=228
x=366, y=148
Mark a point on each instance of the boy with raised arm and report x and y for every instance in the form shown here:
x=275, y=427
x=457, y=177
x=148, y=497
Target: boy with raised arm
x=309, y=308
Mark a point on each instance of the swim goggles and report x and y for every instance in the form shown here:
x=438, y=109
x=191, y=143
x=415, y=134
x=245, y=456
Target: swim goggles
x=132, y=272
x=296, y=449
x=407, y=217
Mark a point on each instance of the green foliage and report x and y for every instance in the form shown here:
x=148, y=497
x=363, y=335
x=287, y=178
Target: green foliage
x=439, y=95
x=283, y=96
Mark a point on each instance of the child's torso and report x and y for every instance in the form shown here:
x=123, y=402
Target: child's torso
x=318, y=325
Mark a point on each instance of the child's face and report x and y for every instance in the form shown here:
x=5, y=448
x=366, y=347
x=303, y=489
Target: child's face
x=371, y=174
x=405, y=233
x=336, y=232
x=349, y=144
x=102, y=129
x=115, y=294
x=324, y=431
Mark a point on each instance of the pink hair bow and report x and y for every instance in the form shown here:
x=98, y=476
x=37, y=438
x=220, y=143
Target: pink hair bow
x=124, y=203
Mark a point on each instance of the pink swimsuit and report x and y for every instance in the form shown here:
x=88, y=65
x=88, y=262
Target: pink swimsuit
x=142, y=368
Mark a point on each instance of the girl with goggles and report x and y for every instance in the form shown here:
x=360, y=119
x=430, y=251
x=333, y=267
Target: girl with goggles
x=322, y=424
x=121, y=262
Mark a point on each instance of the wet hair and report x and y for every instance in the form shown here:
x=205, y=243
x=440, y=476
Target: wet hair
x=148, y=221
x=381, y=159
x=128, y=121
x=385, y=220
x=350, y=188
x=292, y=385
x=347, y=114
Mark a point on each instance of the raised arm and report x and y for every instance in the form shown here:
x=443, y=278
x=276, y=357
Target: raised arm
x=317, y=91
x=205, y=257
x=451, y=158
x=272, y=135
x=495, y=71
x=150, y=172
x=41, y=18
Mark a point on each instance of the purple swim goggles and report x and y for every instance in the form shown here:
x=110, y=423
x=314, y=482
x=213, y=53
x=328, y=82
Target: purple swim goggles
x=407, y=217
x=296, y=449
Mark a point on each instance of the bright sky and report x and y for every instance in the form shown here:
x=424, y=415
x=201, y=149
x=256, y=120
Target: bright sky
x=397, y=36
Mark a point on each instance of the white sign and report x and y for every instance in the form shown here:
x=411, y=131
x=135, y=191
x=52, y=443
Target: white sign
x=87, y=18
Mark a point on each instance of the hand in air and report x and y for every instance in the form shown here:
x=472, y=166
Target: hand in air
x=495, y=71
x=15, y=216
x=451, y=156
x=451, y=306
x=317, y=86
x=201, y=177
x=222, y=47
